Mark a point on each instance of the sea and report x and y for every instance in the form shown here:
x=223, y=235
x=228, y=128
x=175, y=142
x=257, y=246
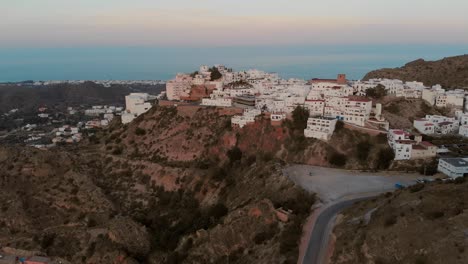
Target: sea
x=162, y=63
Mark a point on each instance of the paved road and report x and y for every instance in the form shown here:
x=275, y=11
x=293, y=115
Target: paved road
x=332, y=187
x=317, y=247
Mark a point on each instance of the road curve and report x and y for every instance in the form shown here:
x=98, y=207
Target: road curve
x=318, y=242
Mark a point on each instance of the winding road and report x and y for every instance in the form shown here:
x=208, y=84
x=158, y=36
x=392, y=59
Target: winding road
x=317, y=247
x=337, y=190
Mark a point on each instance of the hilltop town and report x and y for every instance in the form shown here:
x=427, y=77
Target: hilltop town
x=204, y=170
x=357, y=104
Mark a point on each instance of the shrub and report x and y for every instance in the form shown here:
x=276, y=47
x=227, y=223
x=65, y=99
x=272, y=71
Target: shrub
x=117, y=151
x=337, y=159
x=393, y=108
x=300, y=116
x=217, y=211
x=377, y=92
x=385, y=157
x=416, y=188
x=215, y=74
x=339, y=125
x=140, y=131
x=390, y=220
x=435, y=215
x=459, y=180
x=234, y=154
x=363, y=149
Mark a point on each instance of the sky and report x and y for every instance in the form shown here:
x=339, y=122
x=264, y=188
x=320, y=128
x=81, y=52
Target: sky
x=192, y=23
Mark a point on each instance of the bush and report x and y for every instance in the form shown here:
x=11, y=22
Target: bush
x=234, y=154
x=363, y=149
x=339, y=125
x=435, y=215
x=416, y=188
x=337, y=159
x=300, y=116
x=117, y=151
x=384, y=158
x=215, y=74
x=459, y=180
x=377, y=92
x=140, y=131
x=428, y=169
x=390, y=220
x=393, y=108
x=217, y=211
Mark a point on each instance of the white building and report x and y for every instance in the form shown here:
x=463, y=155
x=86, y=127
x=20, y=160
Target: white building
x=220, y=101
x=320, y=127
x=463, y=131
x=406, y=148
x=246, y=118
x=453, y=167
x=136, y=104
x=178, y=87
x=424, y=126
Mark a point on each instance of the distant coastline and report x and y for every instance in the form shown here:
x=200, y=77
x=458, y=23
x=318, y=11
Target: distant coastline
x=161, y=63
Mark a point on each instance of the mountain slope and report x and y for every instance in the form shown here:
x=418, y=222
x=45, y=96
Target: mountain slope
x=450, y=72
x=30, y=98
x=178, y=203
x=421, y=224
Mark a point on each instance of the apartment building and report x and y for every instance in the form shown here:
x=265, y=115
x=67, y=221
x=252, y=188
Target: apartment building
x=453, y=167
x=320, y=128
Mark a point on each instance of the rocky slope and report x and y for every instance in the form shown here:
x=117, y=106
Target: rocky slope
x=145, y=193
x=421, y=224
x=177, y=185
x=450, y=72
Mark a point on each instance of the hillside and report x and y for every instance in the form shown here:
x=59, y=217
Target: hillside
x=450, y=72
x=183, y=184
x=423, y=224
x=107, y=201
x=29, y=98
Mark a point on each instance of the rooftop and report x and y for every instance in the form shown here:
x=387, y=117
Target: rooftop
x=457, y=162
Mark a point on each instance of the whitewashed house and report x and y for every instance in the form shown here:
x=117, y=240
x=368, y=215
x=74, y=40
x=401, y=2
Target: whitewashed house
x=320, y=127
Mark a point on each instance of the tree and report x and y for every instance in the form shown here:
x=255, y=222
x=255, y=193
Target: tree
x=363, y=149
x=300, y=116
x=377, y=92
x=215, y=74
x=385, y=158
x=337, y=159
x=234, y=154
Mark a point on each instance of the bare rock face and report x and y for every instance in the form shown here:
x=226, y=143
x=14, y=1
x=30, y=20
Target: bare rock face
x=132, y=236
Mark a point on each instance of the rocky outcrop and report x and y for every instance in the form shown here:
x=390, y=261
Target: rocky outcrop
x=450, y=72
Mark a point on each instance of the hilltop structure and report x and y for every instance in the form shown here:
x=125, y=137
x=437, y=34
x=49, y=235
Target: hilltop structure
x=136, y=104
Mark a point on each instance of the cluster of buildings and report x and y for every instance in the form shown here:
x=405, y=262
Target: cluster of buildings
x=105, y=83
x=434, y=96
x=67, y=134
x=407, y=146
x=102, y=115
x=327, y=99
x=328, y=102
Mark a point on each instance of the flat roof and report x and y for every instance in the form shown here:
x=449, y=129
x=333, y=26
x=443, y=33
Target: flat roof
x=457, y=162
